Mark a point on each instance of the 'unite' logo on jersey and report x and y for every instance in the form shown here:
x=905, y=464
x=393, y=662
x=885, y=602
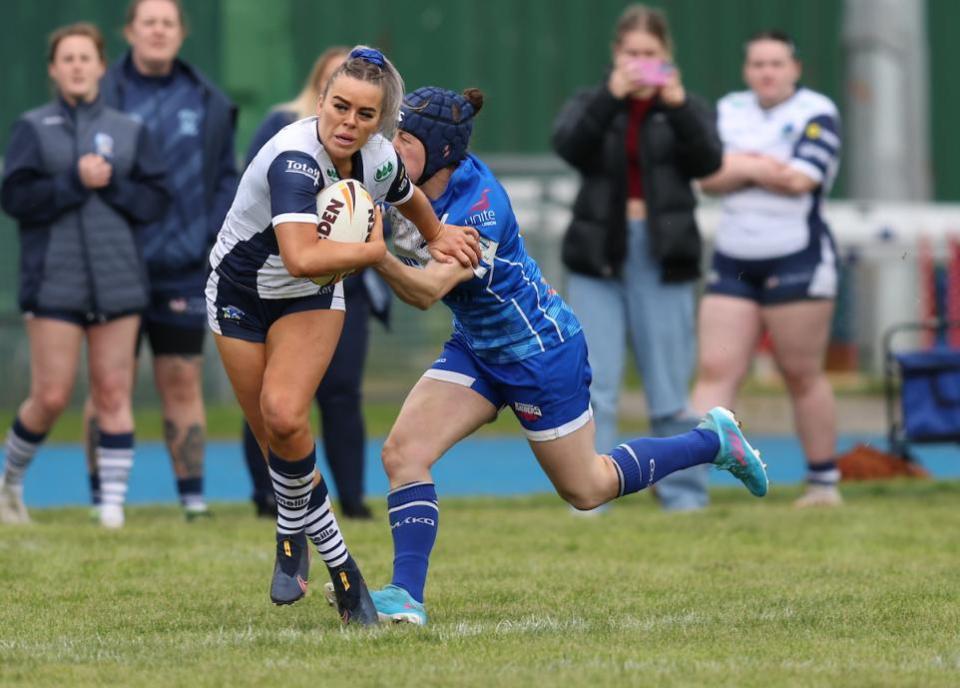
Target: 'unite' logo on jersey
x=481, y=215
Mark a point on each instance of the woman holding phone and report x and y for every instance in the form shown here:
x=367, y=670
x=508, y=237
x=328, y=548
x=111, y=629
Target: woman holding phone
x=633, y=248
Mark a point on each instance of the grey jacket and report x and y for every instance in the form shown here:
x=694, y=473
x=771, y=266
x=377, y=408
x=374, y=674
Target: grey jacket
x=79, y=249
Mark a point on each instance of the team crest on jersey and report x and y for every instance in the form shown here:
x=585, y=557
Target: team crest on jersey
x=103, y=145
x=231, y=313
x=528, y=412
x=383, y=171
x=189, y=122
x=333, y=175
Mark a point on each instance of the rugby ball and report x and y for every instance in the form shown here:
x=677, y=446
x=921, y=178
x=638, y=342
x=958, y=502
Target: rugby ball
x=345, y=212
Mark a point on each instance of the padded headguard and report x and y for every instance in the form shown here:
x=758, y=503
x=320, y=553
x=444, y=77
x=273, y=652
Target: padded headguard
x=443, y=121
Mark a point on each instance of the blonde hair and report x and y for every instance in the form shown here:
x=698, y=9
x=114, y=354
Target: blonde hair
x=305, y=104
x=387, y=77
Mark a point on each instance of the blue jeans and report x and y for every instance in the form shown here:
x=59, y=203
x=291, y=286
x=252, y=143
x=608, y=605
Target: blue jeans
x=658, y=318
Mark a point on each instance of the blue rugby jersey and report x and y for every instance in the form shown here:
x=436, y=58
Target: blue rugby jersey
x=510, y=312
x=172, y=108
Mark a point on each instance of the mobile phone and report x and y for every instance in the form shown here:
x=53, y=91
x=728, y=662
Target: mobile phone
x=652, y=72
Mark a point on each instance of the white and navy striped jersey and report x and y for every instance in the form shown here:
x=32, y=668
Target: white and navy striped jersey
x=803, y=132
x=281, y=185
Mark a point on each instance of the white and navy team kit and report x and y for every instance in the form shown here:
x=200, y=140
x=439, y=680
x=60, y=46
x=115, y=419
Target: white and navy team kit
x=776, y=248
x=514, y=339
x=249, y=287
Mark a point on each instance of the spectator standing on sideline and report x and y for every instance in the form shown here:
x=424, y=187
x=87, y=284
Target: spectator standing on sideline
x=633, y=248
x=194, y=125
x=775, y=265
x=79, y=177
x=338, y=397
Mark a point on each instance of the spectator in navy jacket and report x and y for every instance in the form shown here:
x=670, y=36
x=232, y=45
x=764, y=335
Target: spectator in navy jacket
x=339, y=395
x=79, y=178
x=194, y=123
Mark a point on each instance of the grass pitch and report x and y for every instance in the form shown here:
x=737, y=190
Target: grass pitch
x=521, y=593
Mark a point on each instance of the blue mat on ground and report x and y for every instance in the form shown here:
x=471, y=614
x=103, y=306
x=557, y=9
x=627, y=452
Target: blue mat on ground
x=479, y=466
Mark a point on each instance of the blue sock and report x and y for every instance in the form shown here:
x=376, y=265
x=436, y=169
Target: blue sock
x=414, y=518
x=643, y=461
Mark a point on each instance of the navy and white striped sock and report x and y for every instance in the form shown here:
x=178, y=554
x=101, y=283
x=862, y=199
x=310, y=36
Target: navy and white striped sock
x=292, y=485
x=414, y=520
x=823, y=474
x=21, y=447
x=320, y=525
x=114, y=461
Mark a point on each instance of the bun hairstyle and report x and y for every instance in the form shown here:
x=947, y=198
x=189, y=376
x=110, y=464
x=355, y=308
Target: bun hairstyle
x=442, y=120
x=475, y=96
x=369, y=64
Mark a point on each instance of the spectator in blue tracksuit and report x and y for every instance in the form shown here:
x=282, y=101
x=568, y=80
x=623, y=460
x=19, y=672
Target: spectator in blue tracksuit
x=80, y=178
x=194, y=123
x=339, y=394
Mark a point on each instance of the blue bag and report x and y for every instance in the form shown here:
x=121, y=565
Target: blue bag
x=930, y=394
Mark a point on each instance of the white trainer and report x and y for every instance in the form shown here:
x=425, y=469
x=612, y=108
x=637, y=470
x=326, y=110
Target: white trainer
x=817, y=496
x=12, y=509
x=111, y=516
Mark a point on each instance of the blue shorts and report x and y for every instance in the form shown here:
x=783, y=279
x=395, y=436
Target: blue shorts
x=801, y=276
x=238, y=312
x=549, y=392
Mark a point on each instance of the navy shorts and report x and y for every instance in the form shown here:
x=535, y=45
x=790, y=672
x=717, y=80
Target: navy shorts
x=548, y=392
x=82, y=319
x=238, y=312
x=805, y=275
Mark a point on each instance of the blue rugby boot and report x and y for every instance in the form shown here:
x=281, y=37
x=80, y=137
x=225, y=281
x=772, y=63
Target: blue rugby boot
x=291, y=570
x=349, y=594
x=736, y=455
x=396, y=605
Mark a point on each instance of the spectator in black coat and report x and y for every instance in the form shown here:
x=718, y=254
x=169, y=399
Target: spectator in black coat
x=633, y=248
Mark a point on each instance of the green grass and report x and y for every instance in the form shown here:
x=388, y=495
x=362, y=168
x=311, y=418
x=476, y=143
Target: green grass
x=225, y=420
x=748, y=593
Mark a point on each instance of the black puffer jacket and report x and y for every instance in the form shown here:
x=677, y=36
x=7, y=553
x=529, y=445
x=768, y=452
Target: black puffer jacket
x=676, y=146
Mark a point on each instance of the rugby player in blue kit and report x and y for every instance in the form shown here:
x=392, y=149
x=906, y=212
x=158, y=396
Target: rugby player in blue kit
x=515, y=343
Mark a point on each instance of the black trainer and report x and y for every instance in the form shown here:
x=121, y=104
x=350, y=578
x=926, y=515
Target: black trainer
x=291, y=570
x=348, y=591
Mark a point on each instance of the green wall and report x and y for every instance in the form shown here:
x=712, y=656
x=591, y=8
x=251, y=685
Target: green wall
x=528, y=55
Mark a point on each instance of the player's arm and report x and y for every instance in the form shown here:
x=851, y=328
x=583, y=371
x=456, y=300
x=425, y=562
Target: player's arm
x=813, y=162
x=445, y=242
x=305, y=254
x=421, y=287
x=737, y=172
x=293, y=181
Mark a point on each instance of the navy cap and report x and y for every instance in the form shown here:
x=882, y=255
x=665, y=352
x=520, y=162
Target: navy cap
x=443, y=121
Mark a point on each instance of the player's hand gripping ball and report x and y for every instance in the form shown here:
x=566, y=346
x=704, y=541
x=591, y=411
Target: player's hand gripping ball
x=346, y=214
